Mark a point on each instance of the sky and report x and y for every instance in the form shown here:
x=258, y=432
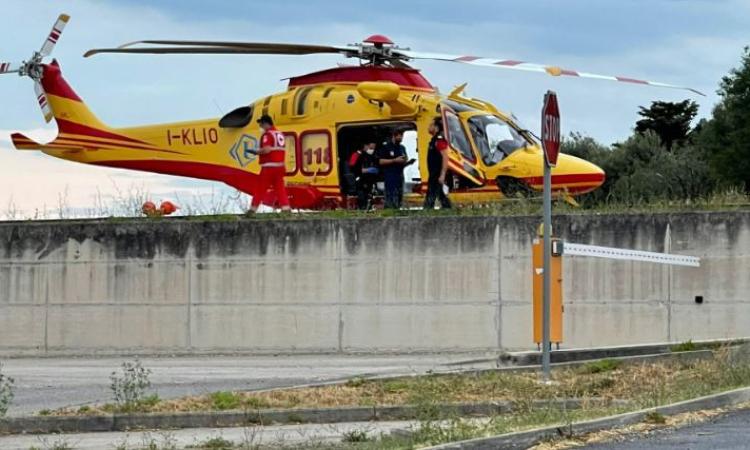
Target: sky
x=684, y=42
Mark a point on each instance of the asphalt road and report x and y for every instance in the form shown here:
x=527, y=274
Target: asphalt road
x=729, y=431
x=48, y=383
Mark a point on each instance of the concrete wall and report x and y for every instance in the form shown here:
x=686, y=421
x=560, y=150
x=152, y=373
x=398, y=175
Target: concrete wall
x=396, y=284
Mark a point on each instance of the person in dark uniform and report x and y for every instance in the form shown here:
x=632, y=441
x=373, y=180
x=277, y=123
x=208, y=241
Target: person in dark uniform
x=364, y=164
x=437, y=166
x=392, y=160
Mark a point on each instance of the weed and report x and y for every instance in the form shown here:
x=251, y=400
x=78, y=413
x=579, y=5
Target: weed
x=121, y=444
x=215, y=443
x=148, y=401
x=6, y=392
x=655, y=417
x=84, y=409
x=687, y=346
x=256, y=403
x=249, y=438
x=599, y=385
x=355, y=382
x=59, y=444
x=129, y=387
x=602, y=365
x=394, y=386
x=167, y=442
x=223, y=400
x=355, y=436
x=45, y=412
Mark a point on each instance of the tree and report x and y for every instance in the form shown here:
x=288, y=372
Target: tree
x=669, y=120
x=726, y=137
x=639, y=170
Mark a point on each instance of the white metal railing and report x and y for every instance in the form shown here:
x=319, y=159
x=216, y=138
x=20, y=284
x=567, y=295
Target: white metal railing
x=572, y=249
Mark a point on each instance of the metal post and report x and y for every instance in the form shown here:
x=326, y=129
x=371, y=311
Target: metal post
x=546, y=271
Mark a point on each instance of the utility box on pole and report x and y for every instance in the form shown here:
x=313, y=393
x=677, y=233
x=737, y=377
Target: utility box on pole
x=556, y=304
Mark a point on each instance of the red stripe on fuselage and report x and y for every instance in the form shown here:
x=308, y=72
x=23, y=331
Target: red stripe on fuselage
x=118, y=144
x=89, y=145
x=68, y=127
x=597, y=178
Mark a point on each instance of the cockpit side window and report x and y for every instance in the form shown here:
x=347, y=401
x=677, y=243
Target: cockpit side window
x=494, y=138
x=456, y=135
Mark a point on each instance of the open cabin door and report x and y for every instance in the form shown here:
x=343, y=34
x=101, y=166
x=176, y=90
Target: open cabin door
x=462, y=159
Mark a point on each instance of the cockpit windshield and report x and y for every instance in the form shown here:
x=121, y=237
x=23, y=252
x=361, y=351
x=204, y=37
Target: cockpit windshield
x=494, y=138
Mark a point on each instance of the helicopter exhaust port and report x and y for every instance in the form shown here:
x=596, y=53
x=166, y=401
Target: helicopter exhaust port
x=513, y=187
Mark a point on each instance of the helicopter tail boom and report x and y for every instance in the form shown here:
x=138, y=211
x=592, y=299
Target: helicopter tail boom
x=79, y=128
x=66, y=107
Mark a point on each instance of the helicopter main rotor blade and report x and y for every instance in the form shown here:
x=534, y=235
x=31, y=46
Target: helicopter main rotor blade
x=530, y=67
x=209, y=47
x=54, y=35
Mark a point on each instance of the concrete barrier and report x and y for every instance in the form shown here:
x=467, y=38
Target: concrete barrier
x=410, y=284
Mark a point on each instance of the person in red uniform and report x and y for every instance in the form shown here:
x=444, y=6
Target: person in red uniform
x=272, y=166
x=437, y=166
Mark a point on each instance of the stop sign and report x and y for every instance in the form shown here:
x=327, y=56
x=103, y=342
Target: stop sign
x=551, y=128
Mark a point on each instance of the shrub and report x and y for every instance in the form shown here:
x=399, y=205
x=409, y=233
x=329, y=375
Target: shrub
x=130, y=385
x=6, y=391
x=225, y=400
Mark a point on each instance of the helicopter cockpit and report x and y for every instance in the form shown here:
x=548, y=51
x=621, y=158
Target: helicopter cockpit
x=494, y=138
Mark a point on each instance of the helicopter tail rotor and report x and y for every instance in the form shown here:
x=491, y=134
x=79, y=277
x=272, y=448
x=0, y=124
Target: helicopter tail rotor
x=34, y=67
x=54, y=35
x=6, y=67
x=41, y=97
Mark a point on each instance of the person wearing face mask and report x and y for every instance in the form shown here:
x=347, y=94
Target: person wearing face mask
x=364, y=164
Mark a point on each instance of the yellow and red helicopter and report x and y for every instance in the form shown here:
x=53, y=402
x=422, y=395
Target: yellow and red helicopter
x=325, y=116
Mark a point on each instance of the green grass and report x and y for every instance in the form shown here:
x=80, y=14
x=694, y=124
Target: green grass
x=144, y=405
x=687, y=346
x=215, y=443
x=655, y=417
x=725, y=201
x=602, y=365
x=223, y=400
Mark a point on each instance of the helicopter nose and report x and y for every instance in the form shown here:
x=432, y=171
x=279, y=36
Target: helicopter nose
x=576, y=175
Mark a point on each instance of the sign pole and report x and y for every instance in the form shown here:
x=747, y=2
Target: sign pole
x=551, y=147
x=546, y=271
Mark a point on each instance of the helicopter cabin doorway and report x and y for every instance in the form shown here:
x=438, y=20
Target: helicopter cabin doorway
x=351, y=138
